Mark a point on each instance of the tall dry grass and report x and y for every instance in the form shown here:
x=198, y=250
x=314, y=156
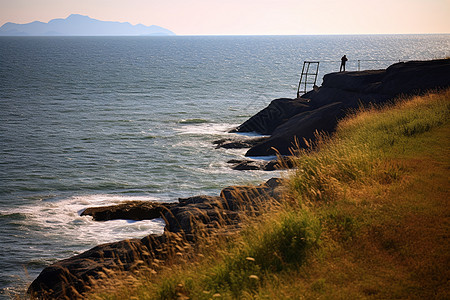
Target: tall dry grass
x=359, y=152
x=330, y=233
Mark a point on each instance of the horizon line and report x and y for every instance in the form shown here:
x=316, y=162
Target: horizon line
x=229, y=35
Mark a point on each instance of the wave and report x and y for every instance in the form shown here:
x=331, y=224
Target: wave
x=193, y=121
x=59, y=219
x=205, y=128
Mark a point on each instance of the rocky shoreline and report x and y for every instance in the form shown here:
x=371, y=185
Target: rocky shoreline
x=186, y=220
x=286, y=122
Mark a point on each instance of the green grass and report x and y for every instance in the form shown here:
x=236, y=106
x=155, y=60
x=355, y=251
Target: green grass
x=365, y=216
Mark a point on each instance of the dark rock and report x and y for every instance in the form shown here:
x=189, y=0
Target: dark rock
x=304, y=126
x=276, y=113
x=329, y=95
x=272, y=165
x=132, y=210
x=235, y=143
x=199, y=213
x=244, y=165
x=245, y=198
x=416, y=77
x=284, y=162
x=69, y=278
x=249, y=165
x=209, y=200
x=357, y=82
x=413, y=77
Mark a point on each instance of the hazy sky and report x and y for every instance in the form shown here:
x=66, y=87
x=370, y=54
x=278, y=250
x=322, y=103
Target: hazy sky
x=235, y=17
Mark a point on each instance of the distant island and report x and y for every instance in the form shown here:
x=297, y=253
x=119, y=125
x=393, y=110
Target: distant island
x=79, y=25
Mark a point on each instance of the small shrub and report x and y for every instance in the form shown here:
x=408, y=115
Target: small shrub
x=284, y=243
x=167, y=289
x=279, y=243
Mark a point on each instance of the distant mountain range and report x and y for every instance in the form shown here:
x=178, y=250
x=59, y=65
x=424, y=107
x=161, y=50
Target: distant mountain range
x=79, y=25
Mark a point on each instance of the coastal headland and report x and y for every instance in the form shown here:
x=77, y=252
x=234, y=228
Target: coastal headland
x=291, y=124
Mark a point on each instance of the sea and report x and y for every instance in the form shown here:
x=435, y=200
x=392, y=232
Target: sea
x=95, y=121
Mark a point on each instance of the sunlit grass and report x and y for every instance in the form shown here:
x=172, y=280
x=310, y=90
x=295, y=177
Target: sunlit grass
x=365, y=215
x=361, y=150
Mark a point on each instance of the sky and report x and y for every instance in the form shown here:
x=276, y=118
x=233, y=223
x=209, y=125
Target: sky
x=248, y=17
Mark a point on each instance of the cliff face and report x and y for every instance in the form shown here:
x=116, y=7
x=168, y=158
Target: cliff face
x=287, y=120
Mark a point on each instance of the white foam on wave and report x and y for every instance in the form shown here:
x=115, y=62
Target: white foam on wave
x=251, y=134
x=205, y=128
x=60, y=220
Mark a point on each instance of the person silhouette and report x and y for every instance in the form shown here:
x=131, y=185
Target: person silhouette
x=343, y=61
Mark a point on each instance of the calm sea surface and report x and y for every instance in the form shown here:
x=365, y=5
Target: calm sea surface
x=90, y=121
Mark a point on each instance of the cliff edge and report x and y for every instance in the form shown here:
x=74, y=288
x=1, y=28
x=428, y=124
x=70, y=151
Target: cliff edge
x=288, y=120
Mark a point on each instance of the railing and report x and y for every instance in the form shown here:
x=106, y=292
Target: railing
x=358, y=61
x=375, y=60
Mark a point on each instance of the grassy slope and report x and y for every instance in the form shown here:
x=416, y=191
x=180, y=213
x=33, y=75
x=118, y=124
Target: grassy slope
x=365, y=216
x=386, y=233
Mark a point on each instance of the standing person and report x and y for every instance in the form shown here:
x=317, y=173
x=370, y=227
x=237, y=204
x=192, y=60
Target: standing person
x=343, y=61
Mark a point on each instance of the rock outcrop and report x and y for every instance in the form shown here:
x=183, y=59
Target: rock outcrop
x=292, y=120
x=238, y=143
x=278, y=111
x=299, y=128
x=132, y=210
x=263, y=165
x=69, y=278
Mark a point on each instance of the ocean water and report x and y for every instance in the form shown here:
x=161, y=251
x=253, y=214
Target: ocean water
x=90, y=121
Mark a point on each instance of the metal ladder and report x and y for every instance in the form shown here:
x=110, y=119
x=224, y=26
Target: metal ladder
x=302, y=84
